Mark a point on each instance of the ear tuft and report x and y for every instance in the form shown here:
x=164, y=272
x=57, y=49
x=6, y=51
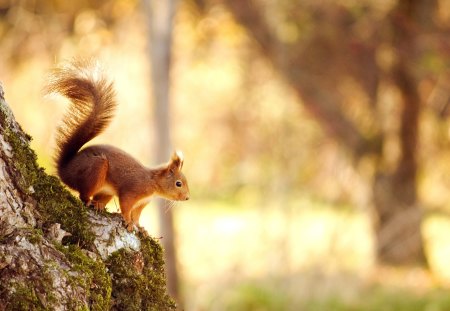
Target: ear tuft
x=179, y=155
x=176, y=163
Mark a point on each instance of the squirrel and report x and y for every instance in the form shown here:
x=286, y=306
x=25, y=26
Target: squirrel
x=99, y=172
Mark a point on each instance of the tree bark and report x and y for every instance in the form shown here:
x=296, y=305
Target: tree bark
x=56, y=254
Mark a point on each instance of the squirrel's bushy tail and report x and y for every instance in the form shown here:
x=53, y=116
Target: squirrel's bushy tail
x=92, y=98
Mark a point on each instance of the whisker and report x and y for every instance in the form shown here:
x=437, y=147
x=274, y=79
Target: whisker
x=169, y=205
x=166, y=206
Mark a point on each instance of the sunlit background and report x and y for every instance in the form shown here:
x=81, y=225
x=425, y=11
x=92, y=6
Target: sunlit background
x=282, y=211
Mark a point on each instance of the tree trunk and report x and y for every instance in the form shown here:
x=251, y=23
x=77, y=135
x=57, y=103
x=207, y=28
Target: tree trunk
x=313, y=67
x=160, y=17
x=56, y=254
x=398, y=221
x=398, y=229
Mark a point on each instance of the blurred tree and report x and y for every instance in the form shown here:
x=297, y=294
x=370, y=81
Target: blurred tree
x=319, y=49
x=160, y=19
x=38, y=28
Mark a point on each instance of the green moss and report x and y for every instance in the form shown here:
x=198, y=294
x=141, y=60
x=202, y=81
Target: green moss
x=35, y=235
x=138, y=281
x=55, y=203
x=46, y=283
x=95, y=280
x=24, y=298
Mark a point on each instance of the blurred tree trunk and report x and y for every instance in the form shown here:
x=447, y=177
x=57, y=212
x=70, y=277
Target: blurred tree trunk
x=160, y=17
x=313, y=68
x=398, y=227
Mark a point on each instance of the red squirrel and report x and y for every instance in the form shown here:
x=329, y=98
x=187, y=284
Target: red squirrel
x=100, y=172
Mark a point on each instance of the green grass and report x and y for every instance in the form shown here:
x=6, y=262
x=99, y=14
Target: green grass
x=263, y=296
x=384, y=299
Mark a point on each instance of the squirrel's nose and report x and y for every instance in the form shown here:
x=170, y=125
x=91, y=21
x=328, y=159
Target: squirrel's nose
x=186, y=198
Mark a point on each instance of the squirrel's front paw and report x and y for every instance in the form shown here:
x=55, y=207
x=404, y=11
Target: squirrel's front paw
x=131, y=227
x=97, y=206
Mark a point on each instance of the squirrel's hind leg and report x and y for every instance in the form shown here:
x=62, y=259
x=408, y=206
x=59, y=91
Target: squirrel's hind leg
x=93, y=178
x=100, y=200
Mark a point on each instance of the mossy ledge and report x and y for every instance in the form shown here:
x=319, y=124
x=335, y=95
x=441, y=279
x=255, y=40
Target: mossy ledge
x=71, y=267
x=144, y=275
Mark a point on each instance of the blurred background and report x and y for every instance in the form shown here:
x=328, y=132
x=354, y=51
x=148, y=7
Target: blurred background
x=316, y=137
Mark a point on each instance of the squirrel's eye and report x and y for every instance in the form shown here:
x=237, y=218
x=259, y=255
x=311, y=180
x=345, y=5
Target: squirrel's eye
x=178, y=183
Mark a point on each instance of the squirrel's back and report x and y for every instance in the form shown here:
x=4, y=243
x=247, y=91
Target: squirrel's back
x=92, y=98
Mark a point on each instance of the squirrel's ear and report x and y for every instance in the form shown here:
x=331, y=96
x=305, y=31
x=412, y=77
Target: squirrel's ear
x=176, y=163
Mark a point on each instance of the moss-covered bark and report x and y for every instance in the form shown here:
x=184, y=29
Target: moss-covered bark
x=144, y=274
x=87, y=262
